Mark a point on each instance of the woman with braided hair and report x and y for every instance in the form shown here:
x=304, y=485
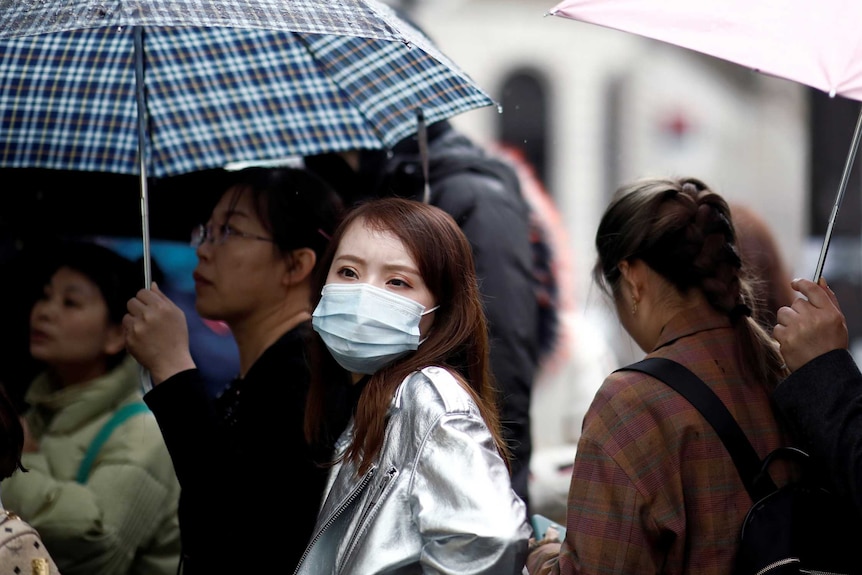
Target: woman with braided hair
x=653, y=489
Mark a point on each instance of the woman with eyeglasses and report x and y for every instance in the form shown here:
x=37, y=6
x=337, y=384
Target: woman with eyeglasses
x=256, y=255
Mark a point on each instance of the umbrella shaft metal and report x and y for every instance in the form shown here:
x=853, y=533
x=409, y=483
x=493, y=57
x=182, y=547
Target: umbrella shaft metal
x=845, y=177
x=142, y=147
x=146, y=381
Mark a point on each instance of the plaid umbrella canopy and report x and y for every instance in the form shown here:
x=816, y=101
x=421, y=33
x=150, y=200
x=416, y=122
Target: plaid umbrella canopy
x=194, y=85
x=214, y=95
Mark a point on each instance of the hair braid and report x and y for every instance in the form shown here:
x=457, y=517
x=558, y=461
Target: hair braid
x=683, y=231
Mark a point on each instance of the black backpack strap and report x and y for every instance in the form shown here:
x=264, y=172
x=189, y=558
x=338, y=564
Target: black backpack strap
x=683, y=381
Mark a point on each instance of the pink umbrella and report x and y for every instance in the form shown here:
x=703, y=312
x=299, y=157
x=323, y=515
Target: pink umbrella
x=819, y=46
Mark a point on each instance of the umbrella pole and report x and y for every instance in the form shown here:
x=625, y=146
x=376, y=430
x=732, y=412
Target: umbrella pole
x=146, y=381
x=422, y=134
x=848, y=167
x=142, y=147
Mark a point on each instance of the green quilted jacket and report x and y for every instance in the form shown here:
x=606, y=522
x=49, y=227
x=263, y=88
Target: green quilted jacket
x=122, y=518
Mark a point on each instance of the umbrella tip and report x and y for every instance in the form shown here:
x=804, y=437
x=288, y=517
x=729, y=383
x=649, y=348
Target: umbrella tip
x=832, y=93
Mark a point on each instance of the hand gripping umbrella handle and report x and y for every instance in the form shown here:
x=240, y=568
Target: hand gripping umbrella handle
x=857, y=135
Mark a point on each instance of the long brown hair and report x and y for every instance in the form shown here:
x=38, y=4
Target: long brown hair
x=458, y=339
x=683, y=231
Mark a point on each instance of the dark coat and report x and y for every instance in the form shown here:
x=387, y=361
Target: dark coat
x=822, y=403
x=251, y=486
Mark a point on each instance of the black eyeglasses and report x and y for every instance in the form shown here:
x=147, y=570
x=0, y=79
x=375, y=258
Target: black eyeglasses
x=219, y=235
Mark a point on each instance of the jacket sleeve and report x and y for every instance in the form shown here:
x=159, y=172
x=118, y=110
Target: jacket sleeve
x=822, y=404
x=609, y=533
x=495, y=220
x=186, y=417
x=490, y=528
x=97, y=527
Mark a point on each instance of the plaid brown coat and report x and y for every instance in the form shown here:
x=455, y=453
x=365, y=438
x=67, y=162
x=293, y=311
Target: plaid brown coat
x=653, y=488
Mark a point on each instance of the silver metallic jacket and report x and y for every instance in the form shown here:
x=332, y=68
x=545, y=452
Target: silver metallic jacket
x=438, y=499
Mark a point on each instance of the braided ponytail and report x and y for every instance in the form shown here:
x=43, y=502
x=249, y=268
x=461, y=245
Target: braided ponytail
x=683, y=231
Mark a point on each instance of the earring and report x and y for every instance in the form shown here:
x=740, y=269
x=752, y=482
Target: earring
x=634, y=306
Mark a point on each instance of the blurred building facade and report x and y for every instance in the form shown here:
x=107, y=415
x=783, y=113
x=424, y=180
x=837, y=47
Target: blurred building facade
x=592, y=108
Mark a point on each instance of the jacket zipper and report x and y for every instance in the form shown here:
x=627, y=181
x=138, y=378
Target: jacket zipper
x=344, y=505
x=789, y=561
x=384, y=483
x=777, y=564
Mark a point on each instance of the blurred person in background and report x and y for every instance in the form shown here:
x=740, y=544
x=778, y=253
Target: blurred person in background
x=109, y=509
x=574, y=354
x=761, y=256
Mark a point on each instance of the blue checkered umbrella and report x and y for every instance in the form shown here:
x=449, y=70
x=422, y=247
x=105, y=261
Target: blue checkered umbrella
x=214, y=95
x=200, y=84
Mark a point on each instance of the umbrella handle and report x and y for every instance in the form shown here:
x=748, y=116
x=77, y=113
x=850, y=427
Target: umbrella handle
x=848, y=166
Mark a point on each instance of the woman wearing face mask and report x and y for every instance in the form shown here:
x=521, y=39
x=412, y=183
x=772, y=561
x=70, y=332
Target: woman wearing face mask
x=420, y=481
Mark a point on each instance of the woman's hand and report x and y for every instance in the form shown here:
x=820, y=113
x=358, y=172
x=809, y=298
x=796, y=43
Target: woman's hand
x=157, y=334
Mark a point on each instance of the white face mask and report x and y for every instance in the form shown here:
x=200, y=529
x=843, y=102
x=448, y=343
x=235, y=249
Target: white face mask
x=364, y=327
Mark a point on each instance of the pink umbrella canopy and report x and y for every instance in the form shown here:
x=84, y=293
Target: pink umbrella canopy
x=818, y=45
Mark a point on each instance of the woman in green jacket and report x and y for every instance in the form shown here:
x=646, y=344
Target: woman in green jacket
x=112, y=510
